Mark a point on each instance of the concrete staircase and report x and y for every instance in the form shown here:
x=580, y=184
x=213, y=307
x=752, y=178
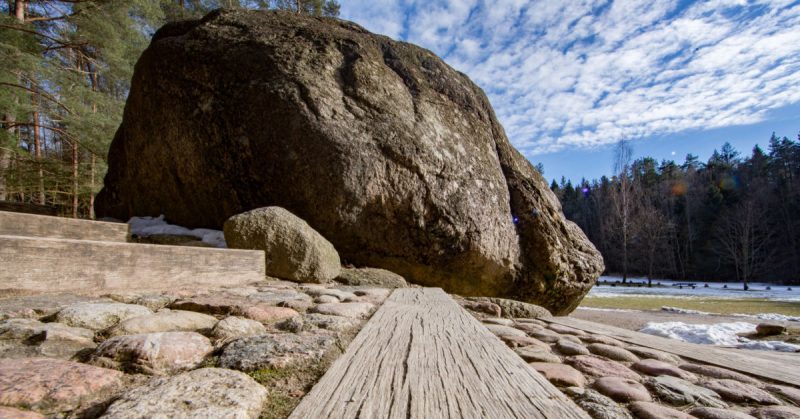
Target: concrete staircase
x=50, y=254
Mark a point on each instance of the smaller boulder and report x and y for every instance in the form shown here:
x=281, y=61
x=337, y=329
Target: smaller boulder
x=292, y=324
x=679, y=392
x=352, y=310
x=280, y=297
x=565, y=330
x=293, y=249
x=154, y=302
x=537, y=353
x=777, y=412
x=597, y=405
x=325, y=299
x=703, y=412
x=649, y=353
x=519, y=341
x=548, y=336
x=590, y=338
x=52, y=385
x=718, y=372
x=560, y=374
x=648, y=410
x=499, y=320
x=11, y=413
x=513, y=308
x=621, y=389
x=22, y=338
x=769, y=329
x=484, y=307
x=370, y=295
x=500, y=331
x=267, y=314
x=568, y=347
x=790, y=393
x=234, y=327
x=612, y=352
x=600, y=367
x=655, y=367
x=332, y=323
x=203, y=393
x=165, y=321
x=276, y=350
x=154, y=353
x=738, y=392
x=372, y=277
x=98, y=316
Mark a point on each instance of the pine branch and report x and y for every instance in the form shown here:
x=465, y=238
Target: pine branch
x=31, y=31
x=45, y=95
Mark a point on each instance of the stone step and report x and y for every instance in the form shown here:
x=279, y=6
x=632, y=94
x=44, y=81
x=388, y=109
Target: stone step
x=34, y=264
x=32, y=225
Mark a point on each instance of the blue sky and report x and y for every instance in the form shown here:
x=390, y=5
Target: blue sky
x=568, y=79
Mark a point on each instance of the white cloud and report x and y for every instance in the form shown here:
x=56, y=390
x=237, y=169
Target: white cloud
x=591, y=72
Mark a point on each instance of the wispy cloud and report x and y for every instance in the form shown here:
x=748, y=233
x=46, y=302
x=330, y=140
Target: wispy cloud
x=585, y=73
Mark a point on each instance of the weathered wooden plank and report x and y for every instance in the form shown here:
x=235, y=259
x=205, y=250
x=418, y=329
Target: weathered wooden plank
x=35, y=264
x=781, y=367
x=423, y=356
x=30, y=225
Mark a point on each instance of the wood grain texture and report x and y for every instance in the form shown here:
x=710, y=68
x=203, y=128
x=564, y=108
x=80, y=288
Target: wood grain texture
x=61, y=265
x=423, y=356
x=783, y=367
x=31, y=225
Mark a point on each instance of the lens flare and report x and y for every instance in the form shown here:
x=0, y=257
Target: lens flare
x=678, y=189
x=729, y=183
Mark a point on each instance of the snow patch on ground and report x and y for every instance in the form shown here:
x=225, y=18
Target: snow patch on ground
x=715, y=334
x=682, y=310
x=151, y=226
x=772, y=316
x=760, y=316
x=618, y=310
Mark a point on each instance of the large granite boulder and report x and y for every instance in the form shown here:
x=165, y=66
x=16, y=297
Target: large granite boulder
x=384, y=149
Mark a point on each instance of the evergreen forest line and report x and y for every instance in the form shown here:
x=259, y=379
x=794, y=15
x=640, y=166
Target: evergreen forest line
x=65, y=71
x=730, y=218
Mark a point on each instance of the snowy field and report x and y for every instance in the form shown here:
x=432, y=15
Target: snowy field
x=714, y=290
x=714, y=331
x=725, y=334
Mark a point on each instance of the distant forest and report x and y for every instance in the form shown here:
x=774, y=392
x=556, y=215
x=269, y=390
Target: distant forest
x=730, y=218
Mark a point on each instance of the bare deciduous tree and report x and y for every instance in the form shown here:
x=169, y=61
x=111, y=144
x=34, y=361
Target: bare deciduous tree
x=623, y=153
x=743, y=238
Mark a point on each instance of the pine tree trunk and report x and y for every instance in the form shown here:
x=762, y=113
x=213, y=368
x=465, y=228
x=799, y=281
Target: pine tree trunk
x=5, y=155
x=19, y=10
x=74, y=179
x=91, y=195
x=95, y=86
x=37, y=148
x=5, y=158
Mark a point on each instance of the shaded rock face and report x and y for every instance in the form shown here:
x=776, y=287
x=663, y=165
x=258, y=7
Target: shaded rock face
x=393, y=156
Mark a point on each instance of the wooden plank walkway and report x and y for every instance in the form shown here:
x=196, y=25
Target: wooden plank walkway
x=422, y=356
x=782, y=367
